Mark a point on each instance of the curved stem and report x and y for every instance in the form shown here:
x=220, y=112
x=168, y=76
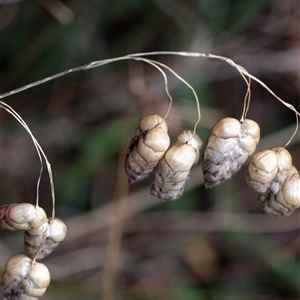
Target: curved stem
x=40, y=154
x=189, y=86
x=154, y=64
x=247, y=96
x=99, y=63
x=295, y=131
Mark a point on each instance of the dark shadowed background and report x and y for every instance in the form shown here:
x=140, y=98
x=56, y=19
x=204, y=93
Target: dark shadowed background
x=123, y=243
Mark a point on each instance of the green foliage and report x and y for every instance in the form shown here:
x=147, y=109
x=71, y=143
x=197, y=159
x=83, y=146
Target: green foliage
x=188, y=292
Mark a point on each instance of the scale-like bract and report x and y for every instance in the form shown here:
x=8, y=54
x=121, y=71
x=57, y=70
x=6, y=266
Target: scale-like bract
x=21, y=216
x=277, y=181
x=40, y=242
x=173, y=170
x=229, y=144
x=24, y=279
x=146, y=148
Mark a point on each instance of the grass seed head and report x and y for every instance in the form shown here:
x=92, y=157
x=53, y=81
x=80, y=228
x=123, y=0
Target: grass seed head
x=37, y=246
x=146, y=148
x=174, y=169
x=277, y=181
x=24, y=278
x=228, y=146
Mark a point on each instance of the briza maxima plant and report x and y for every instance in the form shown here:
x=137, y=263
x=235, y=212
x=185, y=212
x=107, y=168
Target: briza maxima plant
x=228, y=146
x=272, y=174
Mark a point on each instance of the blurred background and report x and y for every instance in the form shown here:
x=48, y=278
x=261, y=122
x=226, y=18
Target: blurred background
x=122, y=242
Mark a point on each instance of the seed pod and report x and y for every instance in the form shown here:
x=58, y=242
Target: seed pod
x=173, y=171
x=277, y=181
x=291, y=190
x=228, y=146
x=262, y=170
x=40, y=243
x=24, y=278
x=146, y=148
x=283, y=197
x=21, y=216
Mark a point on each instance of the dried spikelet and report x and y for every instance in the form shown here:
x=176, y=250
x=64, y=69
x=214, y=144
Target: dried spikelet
x=21, y=216
x=268, y=169
x=146, y=148
x=173, y=171
x=228, y=146
x=24, y=279
x=262, y=170
x=40, y=242
x=291, y=190
x=277, y=181
x=283, y=196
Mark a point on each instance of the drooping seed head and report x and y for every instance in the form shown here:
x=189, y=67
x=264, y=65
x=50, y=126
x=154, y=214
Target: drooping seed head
x=174, y=169
x=146, y=148
x=228, y=146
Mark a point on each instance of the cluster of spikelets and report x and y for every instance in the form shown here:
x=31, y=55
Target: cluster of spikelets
x=23, y=277
x=229, y=144
x=149, y=150
x=272, y=174
x=227, y=148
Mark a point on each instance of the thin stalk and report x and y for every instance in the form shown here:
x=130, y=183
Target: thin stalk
x=154, y=64
x=40, y=153
x=115, y=232
x=189, y=86
x=99, y=63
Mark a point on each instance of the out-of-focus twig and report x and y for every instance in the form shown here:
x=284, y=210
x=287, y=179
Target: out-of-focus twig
x=8, y=11
x=60, y=11
x=115, y=231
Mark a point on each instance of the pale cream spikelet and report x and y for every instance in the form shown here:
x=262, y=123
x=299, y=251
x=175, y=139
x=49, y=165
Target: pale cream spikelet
x=228, y=146
x=291, y=190
x=40, y=242
x=146, y=148
x=262, y=170
x=174, y=169
x=281, y=199
x=287, y=199
x=266, y=166
x=277, y=181
x=24, y=279
x=22, y=216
